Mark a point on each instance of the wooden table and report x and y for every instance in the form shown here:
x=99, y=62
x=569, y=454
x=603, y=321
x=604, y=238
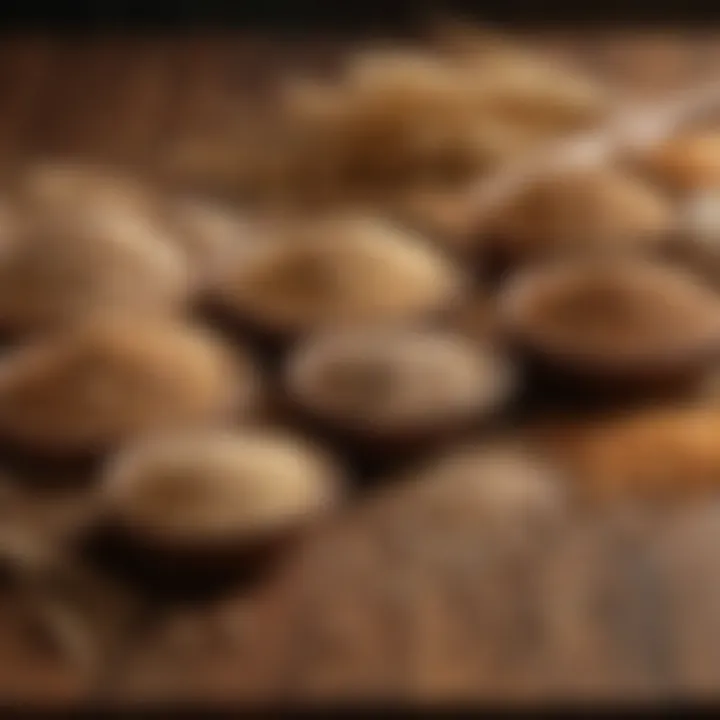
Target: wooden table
x=131, y=99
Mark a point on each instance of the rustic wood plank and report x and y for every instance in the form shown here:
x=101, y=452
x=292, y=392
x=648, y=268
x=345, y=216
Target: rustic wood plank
x=421, y=605
x=56, y=110
x=26, y=66
x=89, y=124
x=141, y=99
x=126, y=97
x=205, y=93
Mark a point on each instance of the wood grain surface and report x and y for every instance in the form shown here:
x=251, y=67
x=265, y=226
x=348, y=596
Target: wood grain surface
x=603, y=611
x=131, y=97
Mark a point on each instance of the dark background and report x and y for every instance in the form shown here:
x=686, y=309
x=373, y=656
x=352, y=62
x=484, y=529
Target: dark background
x=348, y=15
